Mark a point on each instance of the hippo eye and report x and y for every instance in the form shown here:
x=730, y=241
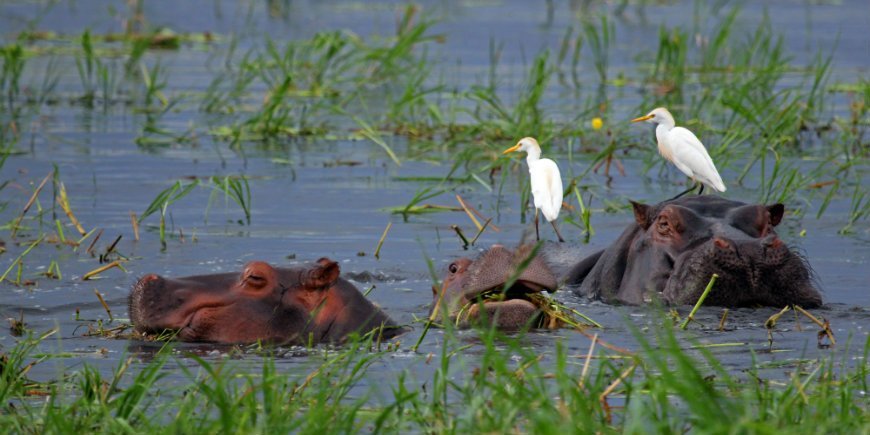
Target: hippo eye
x=453, y=268
x=663, y=226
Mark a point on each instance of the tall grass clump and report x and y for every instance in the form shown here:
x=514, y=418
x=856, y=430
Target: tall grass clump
x=95, y=75
x=13, y=60
x=495, y=384
x=499, y=121
x=598, y=39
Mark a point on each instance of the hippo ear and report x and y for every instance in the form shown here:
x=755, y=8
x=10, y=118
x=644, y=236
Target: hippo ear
x=322, y=275
x=776, y=211
x=641, y=214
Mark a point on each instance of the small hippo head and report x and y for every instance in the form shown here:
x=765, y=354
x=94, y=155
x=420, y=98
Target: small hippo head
x=473, y=285
x=676, y=246
x=262, y=303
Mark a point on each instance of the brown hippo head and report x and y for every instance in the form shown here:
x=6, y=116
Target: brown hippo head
x=673, y=248
x=474, y=285
x=262, y=303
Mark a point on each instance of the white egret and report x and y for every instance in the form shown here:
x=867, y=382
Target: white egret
x=546, y=182
x=681, y=147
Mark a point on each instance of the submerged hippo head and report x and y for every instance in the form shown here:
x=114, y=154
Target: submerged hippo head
x=673, y=249
x=262, y=303
x=472, y=284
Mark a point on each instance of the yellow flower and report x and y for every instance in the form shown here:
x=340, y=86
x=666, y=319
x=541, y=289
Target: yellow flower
x=597, y=123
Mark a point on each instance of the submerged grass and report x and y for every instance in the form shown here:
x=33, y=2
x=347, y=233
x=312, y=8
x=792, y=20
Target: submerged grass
x=505, y=387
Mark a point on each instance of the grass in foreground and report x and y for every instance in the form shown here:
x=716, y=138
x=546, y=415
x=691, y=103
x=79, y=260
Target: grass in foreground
x=501, y=386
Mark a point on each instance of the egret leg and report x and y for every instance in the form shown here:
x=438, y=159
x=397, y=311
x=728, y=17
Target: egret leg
x=694, y=186
x=537, y=233
x=702, y=189
x=557, y=231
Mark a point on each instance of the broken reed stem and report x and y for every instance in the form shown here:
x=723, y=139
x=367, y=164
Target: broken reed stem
x=85, y=237
x=60, y=234
x=722, y=320
x=90, y=249
x=797, y=321
x=30, y=203
x=113, y=245
x=432, y=317
x=105, y=305
x=608, y=345
x=63, y=200
x=626, y=373
x=17, y=261
x=700, y=301
x=459, y=233
x=494, y=227
x=771, y=321
x=485, y=224
x=101, y=269
x=429, y=323
x=469, y=213
x=135, y=222
x=586, y=318
x=585, y=370
x=813, y=318
x=603, y=397
x=826, y=327
x=381, y=241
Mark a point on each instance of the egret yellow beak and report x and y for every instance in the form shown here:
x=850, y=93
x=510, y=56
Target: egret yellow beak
x=512, y=149
x=642, y=118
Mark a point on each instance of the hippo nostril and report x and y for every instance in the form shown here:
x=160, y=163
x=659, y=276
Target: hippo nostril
x=150, y=282
x=721, y=243
x=772, y=242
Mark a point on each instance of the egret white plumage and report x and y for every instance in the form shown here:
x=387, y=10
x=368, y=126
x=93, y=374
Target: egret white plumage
x=546, y=182
x=681, y=147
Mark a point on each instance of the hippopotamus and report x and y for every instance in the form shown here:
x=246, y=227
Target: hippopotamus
x=295, y=305
x=672, y=249
x=467, y=282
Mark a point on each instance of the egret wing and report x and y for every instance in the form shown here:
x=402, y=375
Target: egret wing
x=692, y=159
x=546, y=184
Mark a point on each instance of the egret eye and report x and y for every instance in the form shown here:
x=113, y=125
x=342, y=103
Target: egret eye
x=453, y=268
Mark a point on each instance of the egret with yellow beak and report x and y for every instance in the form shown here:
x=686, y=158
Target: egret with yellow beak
x=546, y=182
x=682, y=148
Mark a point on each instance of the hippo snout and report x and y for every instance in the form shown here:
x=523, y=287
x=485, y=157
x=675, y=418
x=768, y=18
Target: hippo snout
x=769, y=251
x=142, y=299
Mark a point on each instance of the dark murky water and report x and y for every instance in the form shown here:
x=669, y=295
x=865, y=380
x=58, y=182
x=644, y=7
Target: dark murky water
x=312, y=208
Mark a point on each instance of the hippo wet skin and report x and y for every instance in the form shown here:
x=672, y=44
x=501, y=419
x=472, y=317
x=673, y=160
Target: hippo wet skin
x=674, y=247
x=262, y=303
x=466, y=282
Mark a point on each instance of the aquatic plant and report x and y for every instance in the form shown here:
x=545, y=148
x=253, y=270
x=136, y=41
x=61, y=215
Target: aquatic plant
x=507, y=386
x=10, y=74
x=162, y=202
